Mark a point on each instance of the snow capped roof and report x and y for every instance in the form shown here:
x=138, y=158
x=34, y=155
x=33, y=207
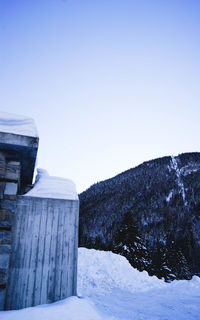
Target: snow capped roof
x=17, y=124
x=52, y=187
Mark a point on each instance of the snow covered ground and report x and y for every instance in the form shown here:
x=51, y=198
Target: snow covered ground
x=110, y=289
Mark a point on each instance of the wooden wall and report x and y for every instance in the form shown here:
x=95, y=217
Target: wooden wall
x=43, y=264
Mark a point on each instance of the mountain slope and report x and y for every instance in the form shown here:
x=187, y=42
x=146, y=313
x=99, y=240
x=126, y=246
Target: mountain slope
x=150, y=214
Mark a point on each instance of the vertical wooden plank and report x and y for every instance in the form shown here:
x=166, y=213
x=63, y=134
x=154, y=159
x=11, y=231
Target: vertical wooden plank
x=39, y=275
x=52, y=256
x=75, y=262
x=45, y=275
x=65, y=249
x=59, y=254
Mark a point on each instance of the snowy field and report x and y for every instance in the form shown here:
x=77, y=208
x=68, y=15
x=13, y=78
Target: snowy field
x=109, y=288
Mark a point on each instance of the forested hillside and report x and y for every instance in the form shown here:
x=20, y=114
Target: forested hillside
x=150, y=214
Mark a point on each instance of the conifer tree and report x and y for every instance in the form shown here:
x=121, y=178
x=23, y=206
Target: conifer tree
x=129, y=244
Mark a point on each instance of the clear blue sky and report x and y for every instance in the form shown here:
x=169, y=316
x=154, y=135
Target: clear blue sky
x=110, y=83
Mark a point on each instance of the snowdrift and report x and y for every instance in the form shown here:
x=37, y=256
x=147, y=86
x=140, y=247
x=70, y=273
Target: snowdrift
x=102, y=271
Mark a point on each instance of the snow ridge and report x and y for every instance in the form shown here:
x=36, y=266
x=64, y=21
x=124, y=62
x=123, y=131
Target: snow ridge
x=174, y=165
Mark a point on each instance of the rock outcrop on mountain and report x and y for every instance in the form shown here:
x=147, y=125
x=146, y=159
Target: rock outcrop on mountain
x=150, y=214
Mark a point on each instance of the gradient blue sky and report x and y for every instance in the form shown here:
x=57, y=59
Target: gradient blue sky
x=110, y=83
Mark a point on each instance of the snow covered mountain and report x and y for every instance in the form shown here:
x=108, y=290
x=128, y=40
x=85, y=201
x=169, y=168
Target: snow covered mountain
x=150, y=214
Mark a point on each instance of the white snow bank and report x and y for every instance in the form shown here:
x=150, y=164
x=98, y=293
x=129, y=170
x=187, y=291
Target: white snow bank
x=52, y=187
x=102, y=271
x=121, y=292
x=72, y=308
x=17, y=124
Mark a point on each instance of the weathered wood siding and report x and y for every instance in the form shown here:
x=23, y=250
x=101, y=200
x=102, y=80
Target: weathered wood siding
x=43, y=264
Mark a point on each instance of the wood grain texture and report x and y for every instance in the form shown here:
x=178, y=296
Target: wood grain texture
x=43, y=264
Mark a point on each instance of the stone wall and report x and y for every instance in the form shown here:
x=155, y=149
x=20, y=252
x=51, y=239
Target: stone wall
x=9, y=184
